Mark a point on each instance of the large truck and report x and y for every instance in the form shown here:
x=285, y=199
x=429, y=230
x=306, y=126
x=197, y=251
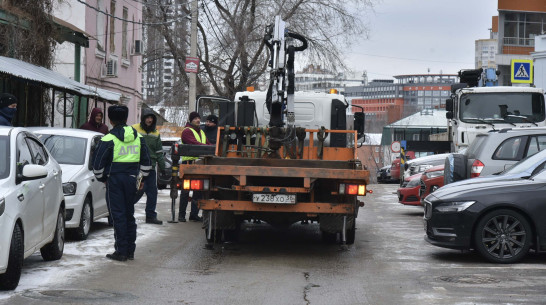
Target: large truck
x=281, y=157
x=472, y=109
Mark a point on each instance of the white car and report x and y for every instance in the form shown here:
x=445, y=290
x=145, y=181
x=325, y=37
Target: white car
x=85, y=196
x=31, y=203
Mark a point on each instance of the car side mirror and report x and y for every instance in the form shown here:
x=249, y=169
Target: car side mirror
x=31, y=172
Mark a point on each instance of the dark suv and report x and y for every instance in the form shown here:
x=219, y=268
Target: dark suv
x=494, y=152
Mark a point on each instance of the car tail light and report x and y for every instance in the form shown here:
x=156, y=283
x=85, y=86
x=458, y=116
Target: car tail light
x=477, y=167
x=352, y=189
x=196, y=184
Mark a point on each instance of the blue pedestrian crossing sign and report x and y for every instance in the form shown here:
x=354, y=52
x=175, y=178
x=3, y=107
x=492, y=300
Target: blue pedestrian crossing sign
x=522, y=71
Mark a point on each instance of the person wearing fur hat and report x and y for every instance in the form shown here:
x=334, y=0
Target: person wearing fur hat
x=147, y=129
x=8, y=108
x=119, y=157
x=95, y=122
x=191, y=134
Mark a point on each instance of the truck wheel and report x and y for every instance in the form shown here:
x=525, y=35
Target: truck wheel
x=54, y=250
x=329, y=237
x=454, y=168
x=86, y=219
x=10, y=279
x=215, y=237
x=350, y=235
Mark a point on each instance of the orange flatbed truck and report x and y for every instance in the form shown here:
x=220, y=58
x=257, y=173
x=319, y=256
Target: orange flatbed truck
x=280, y=157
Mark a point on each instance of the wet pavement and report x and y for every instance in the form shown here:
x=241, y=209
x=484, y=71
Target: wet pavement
x=389, y=263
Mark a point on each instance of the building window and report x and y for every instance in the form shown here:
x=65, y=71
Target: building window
x=112, y=26
x=124, y=42
x=100, y=26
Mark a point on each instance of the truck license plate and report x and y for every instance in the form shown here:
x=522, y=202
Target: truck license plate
x=274, y=198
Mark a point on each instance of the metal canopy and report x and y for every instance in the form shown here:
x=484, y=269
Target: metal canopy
x=53, y=79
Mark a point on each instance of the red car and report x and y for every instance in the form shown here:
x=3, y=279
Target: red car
x=395, y=166
x=408, y=193
x=431, y=180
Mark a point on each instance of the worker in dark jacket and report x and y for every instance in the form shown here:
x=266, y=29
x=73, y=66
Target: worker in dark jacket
x=119, y=157
x=147, y=129
x=191, y=134
x=95, y=122
x=211, y=128
x=8, y=108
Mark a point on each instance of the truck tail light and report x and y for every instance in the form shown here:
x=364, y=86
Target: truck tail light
x=352, y=189
x=477, y=167
x=196, y=184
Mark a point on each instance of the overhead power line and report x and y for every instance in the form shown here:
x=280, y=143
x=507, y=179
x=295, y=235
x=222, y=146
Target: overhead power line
x=131, y=21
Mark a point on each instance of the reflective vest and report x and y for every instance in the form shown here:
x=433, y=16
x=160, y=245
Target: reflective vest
x=125, y=152
x=202, y=139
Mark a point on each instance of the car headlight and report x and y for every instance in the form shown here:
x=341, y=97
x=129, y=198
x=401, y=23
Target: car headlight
x=455, y=206
x=69, y=188
x=434, y=174
x=2, y=205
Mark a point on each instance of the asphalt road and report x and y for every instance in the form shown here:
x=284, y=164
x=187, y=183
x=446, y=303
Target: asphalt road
x=389, y=263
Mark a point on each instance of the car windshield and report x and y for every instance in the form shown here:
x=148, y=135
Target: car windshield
x=65, y=149
x=4, y=157
x=502, y=106
x=526, y=163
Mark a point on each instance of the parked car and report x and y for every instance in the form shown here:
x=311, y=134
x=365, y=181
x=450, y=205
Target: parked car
x=164, y=177
x=421, y=164
x=395, y=166
x=85, y=196
x=408, y=193
x=524, y=168
x=494, y=152
x=32, y=204
x=384, y=174
x=431, y=180
x=502, y=220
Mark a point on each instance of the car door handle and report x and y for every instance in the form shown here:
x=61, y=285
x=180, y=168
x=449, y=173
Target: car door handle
x=41, y=186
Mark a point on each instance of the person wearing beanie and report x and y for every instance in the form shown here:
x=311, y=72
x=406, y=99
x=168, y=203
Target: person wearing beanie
x=211, y=128
x=95, y=122
x=8, y=108
x=191, y=134
x=119, y=158
x=147, y=129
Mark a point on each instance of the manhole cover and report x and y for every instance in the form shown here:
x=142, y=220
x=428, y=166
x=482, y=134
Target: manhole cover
x=469, y=279
x=69, y=296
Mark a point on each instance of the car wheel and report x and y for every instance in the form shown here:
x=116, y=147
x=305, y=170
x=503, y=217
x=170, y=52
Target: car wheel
x=503, y=236
x=86, y=219
x=10, y=279
x=54, y=250
x=454, y=168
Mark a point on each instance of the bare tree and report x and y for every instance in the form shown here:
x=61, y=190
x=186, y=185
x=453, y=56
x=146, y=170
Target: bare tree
x=231, y=47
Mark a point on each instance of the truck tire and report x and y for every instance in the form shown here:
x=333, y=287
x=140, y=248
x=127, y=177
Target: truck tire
x=54, y=250
x=329, y=237
x=454, y=168
x=10, y=279
x=350, y=235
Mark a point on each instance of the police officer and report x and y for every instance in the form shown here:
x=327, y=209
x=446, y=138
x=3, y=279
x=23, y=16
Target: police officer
x=119, y=158
x=191, y=134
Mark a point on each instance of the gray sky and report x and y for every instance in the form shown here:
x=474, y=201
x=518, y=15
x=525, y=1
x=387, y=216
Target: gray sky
x=411, y=36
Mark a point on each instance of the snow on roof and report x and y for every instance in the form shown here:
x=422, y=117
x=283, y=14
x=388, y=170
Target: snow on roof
x=423, y=119
x=373, y=139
